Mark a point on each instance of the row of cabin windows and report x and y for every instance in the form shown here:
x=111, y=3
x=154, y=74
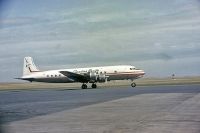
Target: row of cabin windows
x=54, y=75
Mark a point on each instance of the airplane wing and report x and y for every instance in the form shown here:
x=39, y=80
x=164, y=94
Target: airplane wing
x=76, y=77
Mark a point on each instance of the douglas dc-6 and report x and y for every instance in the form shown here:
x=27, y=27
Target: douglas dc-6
x=83, y=75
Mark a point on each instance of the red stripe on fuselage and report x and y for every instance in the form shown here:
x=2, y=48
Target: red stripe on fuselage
x=125, y=73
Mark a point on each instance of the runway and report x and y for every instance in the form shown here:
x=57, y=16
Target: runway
x=142, y=109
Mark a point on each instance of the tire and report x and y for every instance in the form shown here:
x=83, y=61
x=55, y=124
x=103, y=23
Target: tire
x=84, y=86
x=94, y=86
x=133, y=85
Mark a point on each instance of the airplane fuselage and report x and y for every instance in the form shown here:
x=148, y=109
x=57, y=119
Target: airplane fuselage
x=120, y=72
x=83, y=75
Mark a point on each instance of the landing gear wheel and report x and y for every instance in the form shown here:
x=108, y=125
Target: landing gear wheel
x=133, y=85
x=84, y=86
x=94, y=86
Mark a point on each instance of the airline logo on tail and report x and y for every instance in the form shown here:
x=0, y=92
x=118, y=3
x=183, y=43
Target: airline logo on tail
x=29, y=66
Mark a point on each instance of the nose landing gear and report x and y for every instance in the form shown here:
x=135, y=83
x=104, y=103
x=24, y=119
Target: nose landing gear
x=133, y=85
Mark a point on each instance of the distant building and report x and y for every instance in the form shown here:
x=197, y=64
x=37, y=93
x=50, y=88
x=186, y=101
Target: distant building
x=173, y=76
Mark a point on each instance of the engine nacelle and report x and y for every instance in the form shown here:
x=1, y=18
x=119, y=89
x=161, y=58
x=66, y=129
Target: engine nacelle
x=101, y=77
x=94, y=77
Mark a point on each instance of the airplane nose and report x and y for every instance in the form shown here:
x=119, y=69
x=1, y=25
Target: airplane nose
x=142, y=72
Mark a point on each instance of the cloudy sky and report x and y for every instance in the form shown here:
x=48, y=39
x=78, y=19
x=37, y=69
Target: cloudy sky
x=160, y=36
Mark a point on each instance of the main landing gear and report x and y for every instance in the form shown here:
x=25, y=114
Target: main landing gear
x=133, y=85
x=94, y=85
x=84, y=86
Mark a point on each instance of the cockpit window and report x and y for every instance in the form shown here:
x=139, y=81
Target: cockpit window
x=133, y=68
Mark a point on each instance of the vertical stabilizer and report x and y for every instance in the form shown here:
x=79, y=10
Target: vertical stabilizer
x=29, y=66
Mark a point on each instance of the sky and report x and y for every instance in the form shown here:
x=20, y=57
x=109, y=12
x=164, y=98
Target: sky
x=160, y=36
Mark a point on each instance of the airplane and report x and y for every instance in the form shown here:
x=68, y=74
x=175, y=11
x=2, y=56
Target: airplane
x=84, y=75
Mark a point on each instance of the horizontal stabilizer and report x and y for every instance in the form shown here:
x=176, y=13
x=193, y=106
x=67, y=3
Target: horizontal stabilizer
x=28, y=79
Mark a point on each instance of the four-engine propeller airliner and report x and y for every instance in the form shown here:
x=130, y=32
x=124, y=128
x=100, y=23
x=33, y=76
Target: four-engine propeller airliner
x=83, y=75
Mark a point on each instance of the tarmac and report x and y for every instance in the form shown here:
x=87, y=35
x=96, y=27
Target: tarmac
x=156, y=109
x=140, y=82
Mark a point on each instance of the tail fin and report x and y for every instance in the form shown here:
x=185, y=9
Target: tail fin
x=29, y=66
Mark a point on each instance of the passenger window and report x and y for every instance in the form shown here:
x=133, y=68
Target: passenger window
x=115, y=71
x=59, y=75
x=51, y=75
x=47, y=75
x=55, y=75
